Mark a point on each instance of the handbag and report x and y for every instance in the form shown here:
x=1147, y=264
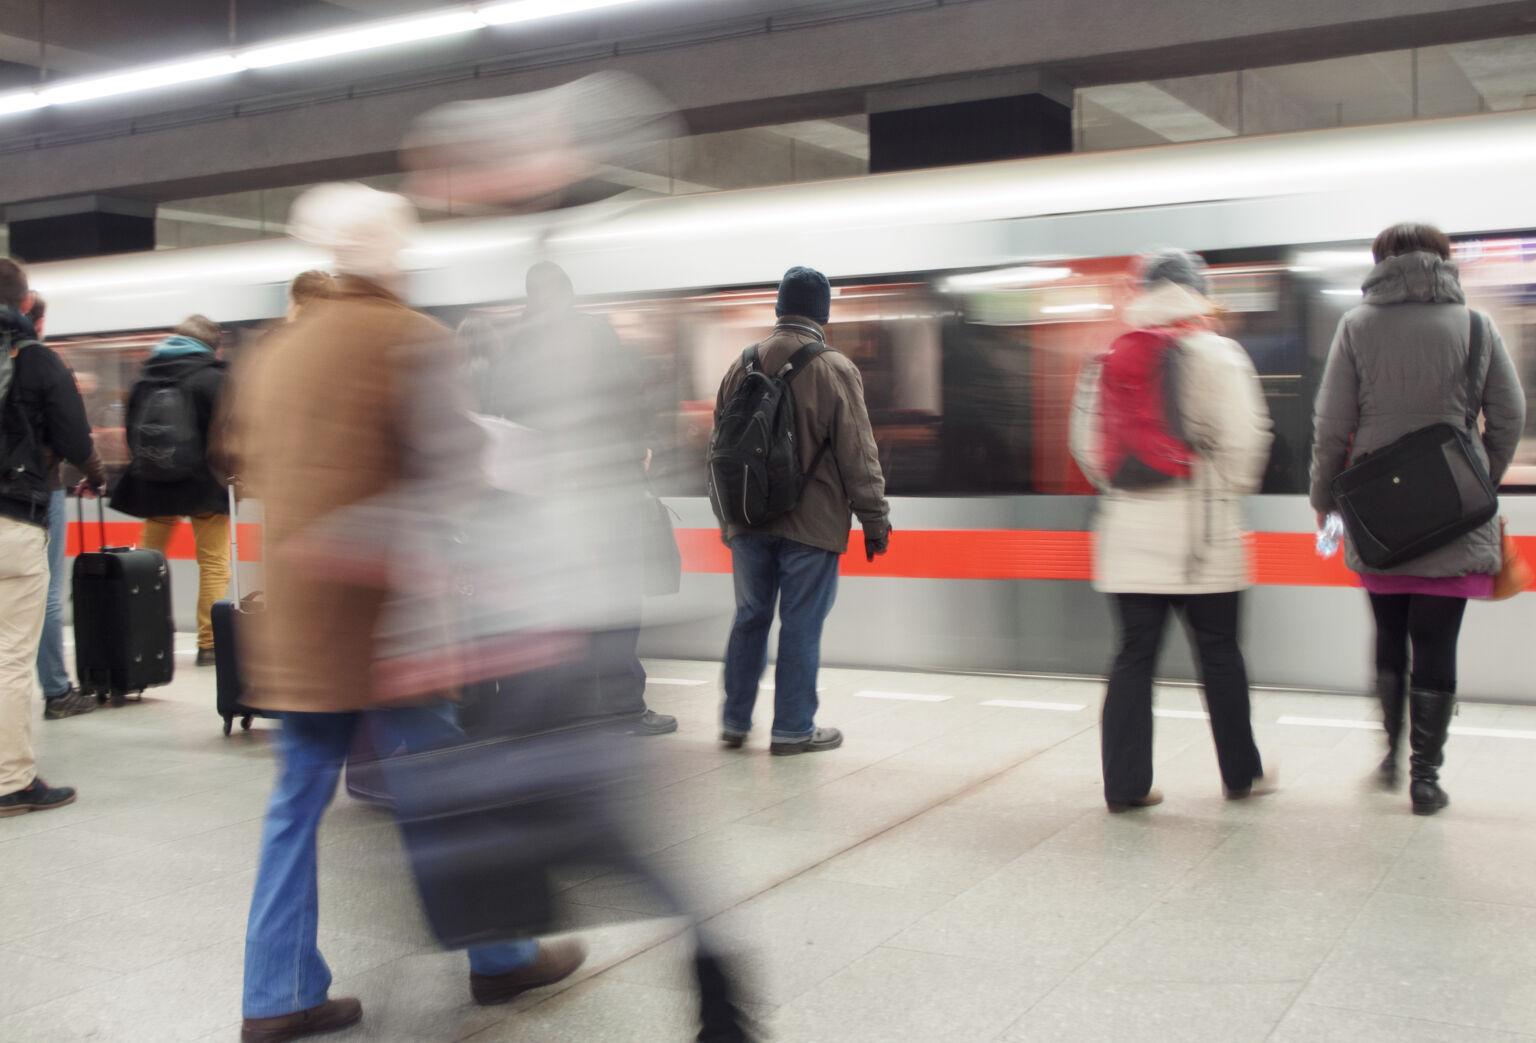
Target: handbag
x=1515, y=572
x=1423, y=490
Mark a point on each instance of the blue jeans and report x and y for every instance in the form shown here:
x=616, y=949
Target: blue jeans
x=284, y=971
x=52, y=674
x=803, y=580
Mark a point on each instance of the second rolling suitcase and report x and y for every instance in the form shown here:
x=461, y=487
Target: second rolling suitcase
x=125, y=637
x=227, y=616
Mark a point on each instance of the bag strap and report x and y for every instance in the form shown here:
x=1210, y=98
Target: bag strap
x=1474, y=389
x=751, y=360
x=802, y=358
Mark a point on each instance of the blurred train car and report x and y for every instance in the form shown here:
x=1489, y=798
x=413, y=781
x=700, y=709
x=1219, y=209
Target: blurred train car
x=968, y=296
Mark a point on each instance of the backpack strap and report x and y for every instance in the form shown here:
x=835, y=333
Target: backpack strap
x=751, y=360
x=800, y=359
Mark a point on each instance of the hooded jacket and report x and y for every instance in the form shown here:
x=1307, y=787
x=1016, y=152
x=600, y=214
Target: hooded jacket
x=43, y=418
x=1397, y=364
x=191, y=364
x=1187, y=537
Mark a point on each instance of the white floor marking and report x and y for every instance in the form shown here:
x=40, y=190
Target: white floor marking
x=682, y=681
x=1492, y=733
x=1329, y=722
x=1191, y=715
x=767, y=686
x=911, y=697
x=1030, y=704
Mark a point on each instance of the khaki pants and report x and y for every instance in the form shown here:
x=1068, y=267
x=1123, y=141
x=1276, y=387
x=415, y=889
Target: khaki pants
x=211, y=534
x=23, y=603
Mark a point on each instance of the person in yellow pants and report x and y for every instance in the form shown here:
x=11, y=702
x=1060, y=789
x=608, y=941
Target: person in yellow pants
x=211, y=534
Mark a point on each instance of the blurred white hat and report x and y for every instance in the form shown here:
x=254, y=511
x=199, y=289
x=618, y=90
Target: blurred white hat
x=362, y=228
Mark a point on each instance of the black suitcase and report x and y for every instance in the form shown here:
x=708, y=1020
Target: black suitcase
x=227, y=613
x=125, y=637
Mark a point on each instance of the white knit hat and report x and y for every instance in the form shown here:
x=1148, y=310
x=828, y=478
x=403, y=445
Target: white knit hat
x=363, y=229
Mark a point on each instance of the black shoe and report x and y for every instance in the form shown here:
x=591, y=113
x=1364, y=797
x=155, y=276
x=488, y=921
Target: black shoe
x=650, y=723
x=1153, y=798
x=821, y=740
x=554, y=962
x=72, y=702
x=1429, y=722
x=39, y=796
x=720, y=1019
x=1392, y=693
x=205, y=657
x=732, y=740
x=1386, y=772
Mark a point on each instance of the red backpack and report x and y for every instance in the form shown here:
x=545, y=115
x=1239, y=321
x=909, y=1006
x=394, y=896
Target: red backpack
x=1144, y=441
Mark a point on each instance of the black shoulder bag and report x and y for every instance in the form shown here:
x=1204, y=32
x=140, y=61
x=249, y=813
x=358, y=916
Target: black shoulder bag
x=1425, y=489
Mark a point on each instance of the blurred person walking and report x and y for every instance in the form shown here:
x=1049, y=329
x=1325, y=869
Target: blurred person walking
x=1400, y=361
x=41, y=419
x=175, y=471
x=792, y=559
x=60, y=697
x=1182, y=435
x=324, y=420
x=565, y=374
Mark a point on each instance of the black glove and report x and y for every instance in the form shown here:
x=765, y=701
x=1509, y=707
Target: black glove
x=877, y=539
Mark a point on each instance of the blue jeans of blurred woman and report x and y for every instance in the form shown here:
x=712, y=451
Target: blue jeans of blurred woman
x=284, y=971
x=52, y=673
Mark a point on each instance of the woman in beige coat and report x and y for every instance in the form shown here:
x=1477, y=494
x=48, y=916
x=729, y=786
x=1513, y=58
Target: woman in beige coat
x=1174, y=541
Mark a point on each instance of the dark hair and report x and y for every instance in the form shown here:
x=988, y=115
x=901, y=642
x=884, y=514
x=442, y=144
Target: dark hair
x=39, y=309
x=312, y=285
x=13, y=283
x=1408, y=238
x=200, y=327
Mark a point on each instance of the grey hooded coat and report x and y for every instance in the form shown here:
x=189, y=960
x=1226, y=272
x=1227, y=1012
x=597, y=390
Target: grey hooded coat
x=1398, y=363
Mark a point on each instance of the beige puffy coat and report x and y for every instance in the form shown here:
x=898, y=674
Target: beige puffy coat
x=1188, y=537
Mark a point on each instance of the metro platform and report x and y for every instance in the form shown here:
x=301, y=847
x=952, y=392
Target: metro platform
x=950, y=874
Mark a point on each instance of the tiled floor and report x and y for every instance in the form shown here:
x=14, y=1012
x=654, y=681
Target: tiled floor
x=949, y=875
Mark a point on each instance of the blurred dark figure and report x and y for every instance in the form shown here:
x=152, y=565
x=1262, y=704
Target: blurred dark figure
x=41, y=418
x=350, y=401
x=175, y=472
x=565, y=375
x=60, y=697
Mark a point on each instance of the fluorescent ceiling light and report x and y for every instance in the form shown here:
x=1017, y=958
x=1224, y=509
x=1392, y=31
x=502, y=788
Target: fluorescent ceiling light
x=368, y=38
x=1003, y=277
x=20, y=101
x=1314, y=259
x=1343, y=293
x=516, y=11
x=1074, y=309
x=140, y=80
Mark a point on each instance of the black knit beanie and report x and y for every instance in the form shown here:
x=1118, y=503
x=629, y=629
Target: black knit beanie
x=805, y=291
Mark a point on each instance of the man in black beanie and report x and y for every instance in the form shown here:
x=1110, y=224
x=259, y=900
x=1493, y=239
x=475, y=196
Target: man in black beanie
x=794, y=557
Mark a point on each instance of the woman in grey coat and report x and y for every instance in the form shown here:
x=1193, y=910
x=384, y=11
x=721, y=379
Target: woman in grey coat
x=1398, y=363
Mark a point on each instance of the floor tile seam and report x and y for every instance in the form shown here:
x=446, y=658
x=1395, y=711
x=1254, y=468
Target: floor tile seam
x=115, y=976
x=1404, y=1017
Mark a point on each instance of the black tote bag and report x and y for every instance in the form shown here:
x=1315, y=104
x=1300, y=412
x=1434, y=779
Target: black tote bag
x=1423, y=490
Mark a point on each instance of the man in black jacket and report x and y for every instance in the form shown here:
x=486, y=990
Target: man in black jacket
x=174, y=473
x=41, y=412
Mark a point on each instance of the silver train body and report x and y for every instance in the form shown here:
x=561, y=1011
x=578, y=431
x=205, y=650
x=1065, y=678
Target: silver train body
x=967, y=295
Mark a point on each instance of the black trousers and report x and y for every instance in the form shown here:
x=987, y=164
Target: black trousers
x=1426, y=624
x=1126, y=724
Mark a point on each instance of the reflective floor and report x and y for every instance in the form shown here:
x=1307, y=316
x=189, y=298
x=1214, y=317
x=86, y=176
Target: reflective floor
x=950, y=874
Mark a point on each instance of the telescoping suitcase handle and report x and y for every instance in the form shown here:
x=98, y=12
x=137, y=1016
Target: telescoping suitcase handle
x=234, y=544
x=101, y=523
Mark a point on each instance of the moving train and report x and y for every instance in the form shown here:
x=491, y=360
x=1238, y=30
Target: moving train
x=968, y=296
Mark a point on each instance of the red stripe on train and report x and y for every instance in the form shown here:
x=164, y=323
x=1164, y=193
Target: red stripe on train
x=1278, y=558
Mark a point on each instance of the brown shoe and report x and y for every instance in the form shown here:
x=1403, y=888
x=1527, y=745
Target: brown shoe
x=1153, y=798
x=206, y=657
x=328, y=1017
x=556, y=960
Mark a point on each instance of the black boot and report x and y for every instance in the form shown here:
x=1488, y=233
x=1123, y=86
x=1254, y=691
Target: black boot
x=1392, y=690
x=1429, y=721
x=720, y=1019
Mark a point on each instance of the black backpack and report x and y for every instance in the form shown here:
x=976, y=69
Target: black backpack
x=165, y=440
x=754, y=461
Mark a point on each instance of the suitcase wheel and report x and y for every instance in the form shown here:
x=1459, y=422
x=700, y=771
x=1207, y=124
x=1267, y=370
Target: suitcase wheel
x=229, y=722
x=245, y=723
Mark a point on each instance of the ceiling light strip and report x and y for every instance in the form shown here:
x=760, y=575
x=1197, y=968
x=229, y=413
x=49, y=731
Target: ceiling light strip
x=370, y=37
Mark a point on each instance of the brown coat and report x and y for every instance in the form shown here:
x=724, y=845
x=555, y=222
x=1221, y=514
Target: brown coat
x=317, y=425
x=830, y=411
